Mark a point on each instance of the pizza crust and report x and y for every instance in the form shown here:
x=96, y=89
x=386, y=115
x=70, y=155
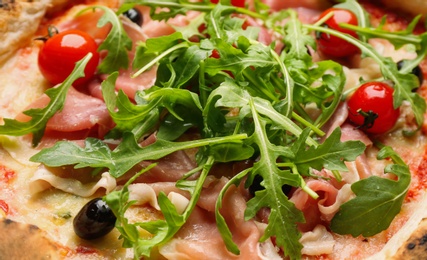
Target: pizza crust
x=25, y=241
x=19, y=21
x=413, y=7
x=416, y=246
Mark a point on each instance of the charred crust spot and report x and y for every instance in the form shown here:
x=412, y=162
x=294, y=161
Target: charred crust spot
x=33, y=228
x=7, y=221
x=423, y=240
x=411, y=246
x=7, y=5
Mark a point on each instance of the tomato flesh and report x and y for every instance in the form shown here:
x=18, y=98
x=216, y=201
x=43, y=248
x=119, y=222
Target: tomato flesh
x=332, y=45
x=371, y=108
x=59, y=54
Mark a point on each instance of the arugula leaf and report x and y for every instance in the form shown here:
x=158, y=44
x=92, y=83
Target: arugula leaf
x=232, y=96
x=126, y=114
x=331, y=154
x=128, y=153
x=40, y=116
x=378, y=200
x=284, y=216
x=163, y=230
x=117, y=44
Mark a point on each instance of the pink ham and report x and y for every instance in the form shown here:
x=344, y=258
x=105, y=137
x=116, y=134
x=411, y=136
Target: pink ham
x=309, y=206
x=199, y=238
x=81, y=113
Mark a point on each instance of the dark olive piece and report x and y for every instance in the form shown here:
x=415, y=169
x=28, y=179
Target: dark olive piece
x=94, y=220
x=256, y=186
x=134, y=15
x=416, y=71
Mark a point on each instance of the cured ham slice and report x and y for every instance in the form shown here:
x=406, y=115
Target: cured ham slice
x=199, y=238
x=311, y=207
x=317, y=242
x=80, y=112
x=44, y=179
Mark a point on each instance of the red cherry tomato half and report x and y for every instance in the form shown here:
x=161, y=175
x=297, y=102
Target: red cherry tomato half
x=371, y=108
x=59, y=54
x=332, y=45
x=236, y=3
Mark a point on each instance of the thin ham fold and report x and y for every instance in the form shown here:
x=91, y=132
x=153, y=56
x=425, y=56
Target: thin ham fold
x=317, y=242
x=44, y=179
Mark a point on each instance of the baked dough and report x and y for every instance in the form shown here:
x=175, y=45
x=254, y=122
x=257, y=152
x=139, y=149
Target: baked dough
x=25, y=241
x=413, y=7
x=19, y=21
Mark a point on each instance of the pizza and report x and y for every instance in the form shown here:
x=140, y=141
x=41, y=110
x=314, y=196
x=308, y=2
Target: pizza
x=148, y=129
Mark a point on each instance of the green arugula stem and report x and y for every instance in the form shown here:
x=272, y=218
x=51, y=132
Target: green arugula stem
x=289, y=83
x=307, y=124
x=251, y=77
x=159, y=57
x=409, y=39
x=324, y=19
x=304, y=186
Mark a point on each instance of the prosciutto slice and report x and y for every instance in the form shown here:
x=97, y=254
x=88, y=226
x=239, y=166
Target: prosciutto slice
x=199, y=238
x=80, y=114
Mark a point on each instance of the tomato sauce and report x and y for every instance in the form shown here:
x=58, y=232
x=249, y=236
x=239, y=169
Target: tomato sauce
x=6, y=174
x=419, y=179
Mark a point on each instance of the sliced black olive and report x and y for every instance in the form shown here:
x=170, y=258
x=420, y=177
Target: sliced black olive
x=134, y=15
x=256, y=186
x=416, y=71
x=94, y=220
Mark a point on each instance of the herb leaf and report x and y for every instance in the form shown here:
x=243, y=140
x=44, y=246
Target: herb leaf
x=378, y=200
x=117, y=44
x=126, y=114
x=331, y=154
x=284, y=216
x=40, y=116
x=128, y=153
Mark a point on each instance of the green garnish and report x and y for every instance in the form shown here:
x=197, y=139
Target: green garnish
x=249, y=103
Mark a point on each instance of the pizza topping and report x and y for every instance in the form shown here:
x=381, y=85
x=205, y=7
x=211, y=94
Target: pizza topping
x=273, y=108
x=45, y=179
x=134, y=15
x=94, y=220
x=4, y=208
x=371, y=108
x=60, y=52
x=416, y=70
x=332, y=45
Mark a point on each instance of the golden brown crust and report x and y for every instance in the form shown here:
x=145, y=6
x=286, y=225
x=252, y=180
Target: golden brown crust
x=416, y=246
x=413, y=7
x=19, y=21
x=25, y=241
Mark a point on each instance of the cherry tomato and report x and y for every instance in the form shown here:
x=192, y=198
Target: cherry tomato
x=59, y=54
x=371, y=108
x=332, y=45
x=236, y=3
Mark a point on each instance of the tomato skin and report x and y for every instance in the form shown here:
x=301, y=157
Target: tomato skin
x=236, y=3
x=332, y=45
x=375, y=99
x=59, y=54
